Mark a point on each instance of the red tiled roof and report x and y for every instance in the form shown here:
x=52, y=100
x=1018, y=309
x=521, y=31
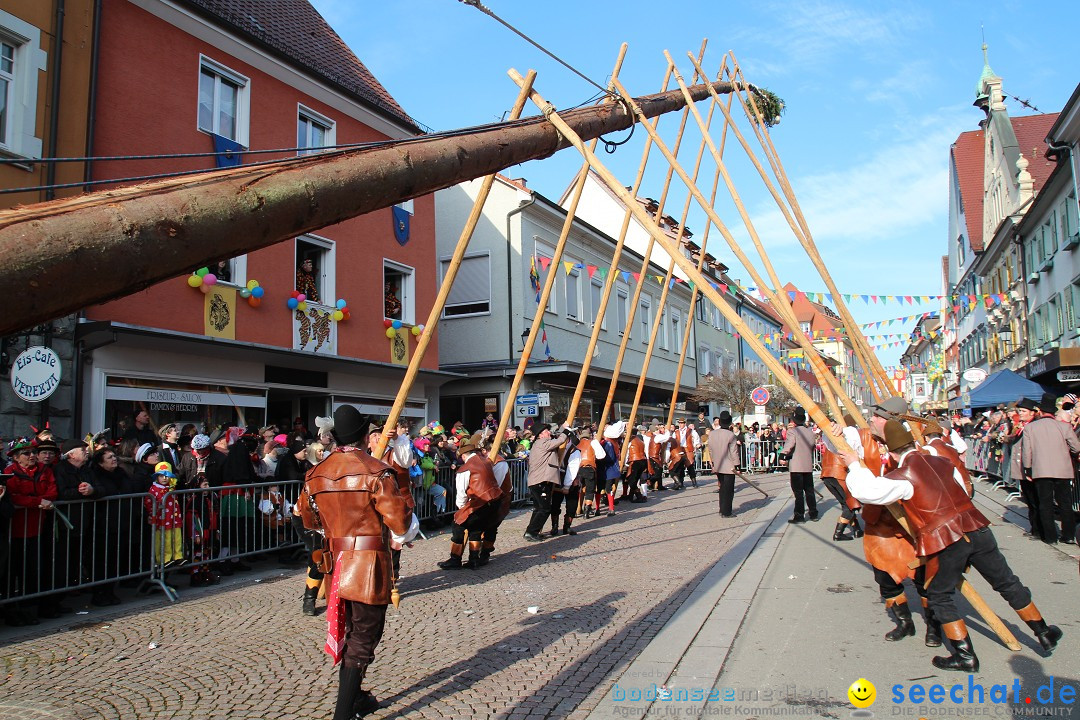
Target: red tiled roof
x=968, y=152
x=967, y=156
x=1031, y=132
x=296, y=31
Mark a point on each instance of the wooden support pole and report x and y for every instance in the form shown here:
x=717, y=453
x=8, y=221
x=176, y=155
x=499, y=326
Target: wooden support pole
x=778, y=297
x=685, y=264
x=871, y=364
x=545, y=294
x=435, y=313
x=609, y=285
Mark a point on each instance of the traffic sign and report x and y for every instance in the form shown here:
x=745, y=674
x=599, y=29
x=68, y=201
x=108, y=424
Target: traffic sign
x=760, y=396
x=545, y=399
x=527, y=400
x=527, y=410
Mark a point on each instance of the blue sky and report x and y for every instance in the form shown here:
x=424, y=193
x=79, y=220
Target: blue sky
x=875, y=95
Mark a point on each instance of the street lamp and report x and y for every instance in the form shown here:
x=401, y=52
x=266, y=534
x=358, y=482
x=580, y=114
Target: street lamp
x=524, y=338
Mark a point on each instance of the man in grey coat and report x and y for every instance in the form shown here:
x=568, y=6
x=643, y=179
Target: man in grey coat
x=724, y=451
x=545, y=473
x=1046, y=450
x=799, y=451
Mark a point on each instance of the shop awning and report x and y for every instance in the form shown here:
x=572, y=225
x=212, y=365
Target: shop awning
x=1004, y=386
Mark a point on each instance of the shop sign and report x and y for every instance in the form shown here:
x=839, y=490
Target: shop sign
x=491, y=404
x=1068, y=375
x=182, y=400
x=974, y=375
x=35, y=375
x=523, y=400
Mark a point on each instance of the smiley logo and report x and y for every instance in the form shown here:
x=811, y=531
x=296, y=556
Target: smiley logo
x=862, y=693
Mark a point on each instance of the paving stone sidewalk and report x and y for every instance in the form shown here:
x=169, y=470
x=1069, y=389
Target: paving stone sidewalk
x=463, y=643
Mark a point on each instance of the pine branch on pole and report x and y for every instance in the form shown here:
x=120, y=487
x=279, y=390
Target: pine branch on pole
x=448, y=282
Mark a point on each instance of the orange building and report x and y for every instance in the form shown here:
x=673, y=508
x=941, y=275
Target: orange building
x=194, y=77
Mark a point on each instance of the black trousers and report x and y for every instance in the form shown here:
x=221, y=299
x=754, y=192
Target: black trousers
x=890, y=589
x=1051, y=492
x=691, y=470
x=980, y=550
x=656, y=479
x=1030, y=493
x=541, y=499
x=638, y=469
x=479, y=521
x=570, y=499
x=802, y=486
x=726, y=481
x=833, y=486
x=363, y=630
x=678, y=474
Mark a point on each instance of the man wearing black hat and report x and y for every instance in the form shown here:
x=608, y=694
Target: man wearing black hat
x=1046, y=454
x=545, y=474
x=724, y=451
x=945, y=525
x=799, y=450
x=354, y=500
x=478, y=501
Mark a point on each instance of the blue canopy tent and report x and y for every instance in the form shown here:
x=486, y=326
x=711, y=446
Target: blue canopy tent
x=1004, y=386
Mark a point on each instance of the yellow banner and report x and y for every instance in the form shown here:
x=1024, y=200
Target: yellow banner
x=399, y=348
x=219, y=313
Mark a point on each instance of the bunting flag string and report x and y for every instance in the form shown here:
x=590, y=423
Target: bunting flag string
x=534, y=280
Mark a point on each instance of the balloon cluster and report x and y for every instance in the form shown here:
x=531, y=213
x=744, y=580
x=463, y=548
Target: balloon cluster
x=253, y=293
x=298, y=301
x=392, y=327
x=204, y=280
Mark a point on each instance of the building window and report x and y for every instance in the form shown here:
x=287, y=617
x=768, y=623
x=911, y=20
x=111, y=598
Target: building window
x=315, y=268
x=662, y=332
x=573, y=294
x=596, y=293
x=645, y=317
x=471, y=293
x=313, y=131
x=1055, y=318
x=960, y=253
x=22, y=61
x=622, y=302
x=702, y=311
x=232, y=271
x=398, y=292
x=223, y=101
x=704, y=360
x=805, y=327
x=676, y=330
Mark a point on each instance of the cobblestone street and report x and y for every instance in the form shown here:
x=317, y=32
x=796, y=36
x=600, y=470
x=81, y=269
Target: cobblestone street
x=463, y=643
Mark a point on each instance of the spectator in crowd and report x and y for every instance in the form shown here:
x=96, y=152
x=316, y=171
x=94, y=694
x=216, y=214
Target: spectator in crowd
x=146, y=459
x=306, y=282
x=33, y=490
x=112, y=530
x=325, y=436
x=142, y=430
x=125, y=455
x=204, y=466
x=1047, y=451
x=163, y=513
x=7, y=511
x=169, y=447
x=293, y=464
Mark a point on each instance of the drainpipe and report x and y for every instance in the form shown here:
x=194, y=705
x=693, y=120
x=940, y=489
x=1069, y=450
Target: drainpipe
x=54, y=110
x=91, y=107
x=1025, y=311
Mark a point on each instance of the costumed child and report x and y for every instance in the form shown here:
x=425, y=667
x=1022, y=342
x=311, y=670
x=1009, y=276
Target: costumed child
x=163, y=512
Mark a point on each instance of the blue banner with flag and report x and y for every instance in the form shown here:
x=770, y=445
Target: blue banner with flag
x=401, y=224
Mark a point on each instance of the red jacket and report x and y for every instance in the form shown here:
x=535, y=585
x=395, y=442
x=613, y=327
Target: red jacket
x=27, y=490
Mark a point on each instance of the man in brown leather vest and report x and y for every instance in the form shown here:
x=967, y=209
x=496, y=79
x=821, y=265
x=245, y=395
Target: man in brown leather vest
x=948, y=528
x=637, y=466
x=478, y=495
x=501, y=469
x=833, y=474
x=586, y=477
x=353, y=499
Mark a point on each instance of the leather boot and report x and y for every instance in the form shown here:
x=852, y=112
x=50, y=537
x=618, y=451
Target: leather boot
x=856, y=529
x=310, y=595
x=1048, y=635
x=566, y=526
x=454, y=561
x=349, y=679
x=475, y=546
x=963, y=656
x=485, y=552
x=840, y=532
x=933, y=627
x=904, y=625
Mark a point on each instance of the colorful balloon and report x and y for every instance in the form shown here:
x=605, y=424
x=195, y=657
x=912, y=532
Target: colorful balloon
x=209, y=279
x=390, y=333
x=338, y=315
x=254, y=301
x=257, y=292
x=205, y=288
x=252, y=284
x=291, y=302
x=194, y=281
x=388, y=323
x=346, y=313
x=396, y=324
x=302, y=307
x=301, y=297
x=245, y=293
x=202, y=271
x=416, y=330
x=341, y=304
